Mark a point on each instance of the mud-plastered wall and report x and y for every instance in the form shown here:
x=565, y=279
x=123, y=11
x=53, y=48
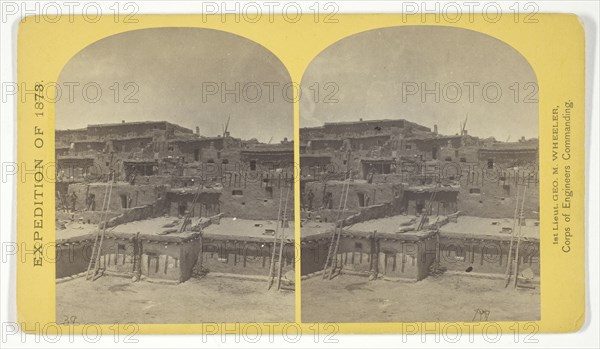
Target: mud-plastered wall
x=243, y=257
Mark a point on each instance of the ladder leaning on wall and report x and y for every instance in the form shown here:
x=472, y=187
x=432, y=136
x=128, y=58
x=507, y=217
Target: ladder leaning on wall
x=279, y=240
x=331, y=260
x=94, y=265
x=429, y=208
x=189, y=215
x=517, y=221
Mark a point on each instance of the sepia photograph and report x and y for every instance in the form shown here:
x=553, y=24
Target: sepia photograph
x=175, y=188
x=419, y=180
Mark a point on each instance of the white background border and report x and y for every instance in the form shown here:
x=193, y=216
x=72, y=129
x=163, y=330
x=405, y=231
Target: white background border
x=588, y=337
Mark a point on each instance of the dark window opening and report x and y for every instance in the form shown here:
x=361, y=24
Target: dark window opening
x=252, y=165
x=210, y=161
x=490, y=164
x=182, y=208
x=123, y=200
x=225, y=161
x=475, y=191
x=196, y=154
x=361, y=199
x=448, y=158
x=328, y=200
x=463, y=160
x=506, y=188
x=237, y=192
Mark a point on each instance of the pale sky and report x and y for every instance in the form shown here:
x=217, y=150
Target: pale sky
x=173, y=68
x=372, y=69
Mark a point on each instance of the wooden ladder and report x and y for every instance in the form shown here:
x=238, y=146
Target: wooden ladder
x=279, y=241
x=517, y=221
x=94, y=265
x=331, y=260
x=188, y=216
x=425, y=215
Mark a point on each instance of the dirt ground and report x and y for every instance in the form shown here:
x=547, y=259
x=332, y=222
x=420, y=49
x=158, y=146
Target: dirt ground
x=444, y=298
x=210, y=299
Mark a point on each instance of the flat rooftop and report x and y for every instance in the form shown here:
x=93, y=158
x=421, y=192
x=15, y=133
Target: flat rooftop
x=467, y=226
x=75, y=229
x=236, y=227
x=310, y=228
x=154, y=226
x=168, y=227
x=389, y=224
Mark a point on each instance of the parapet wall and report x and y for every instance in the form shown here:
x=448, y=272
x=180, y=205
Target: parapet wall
x=139, y=213
x=387, y=209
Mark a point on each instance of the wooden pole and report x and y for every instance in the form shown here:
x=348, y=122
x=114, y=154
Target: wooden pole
x=521, y=216
x=282, y=241
x=512, y=236
x=273, y=253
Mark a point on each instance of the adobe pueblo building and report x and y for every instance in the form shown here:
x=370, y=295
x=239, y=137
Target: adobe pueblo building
x=157, y=201
x=396, y=200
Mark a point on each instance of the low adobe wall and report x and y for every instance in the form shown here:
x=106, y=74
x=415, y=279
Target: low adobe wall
x=243, y=255
x=133, y=195
x=172, y=258
x=157, y=257
x=486, y=255
x=392, y=255
x=371, y=193
x=410, y=257
x=139, y=213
